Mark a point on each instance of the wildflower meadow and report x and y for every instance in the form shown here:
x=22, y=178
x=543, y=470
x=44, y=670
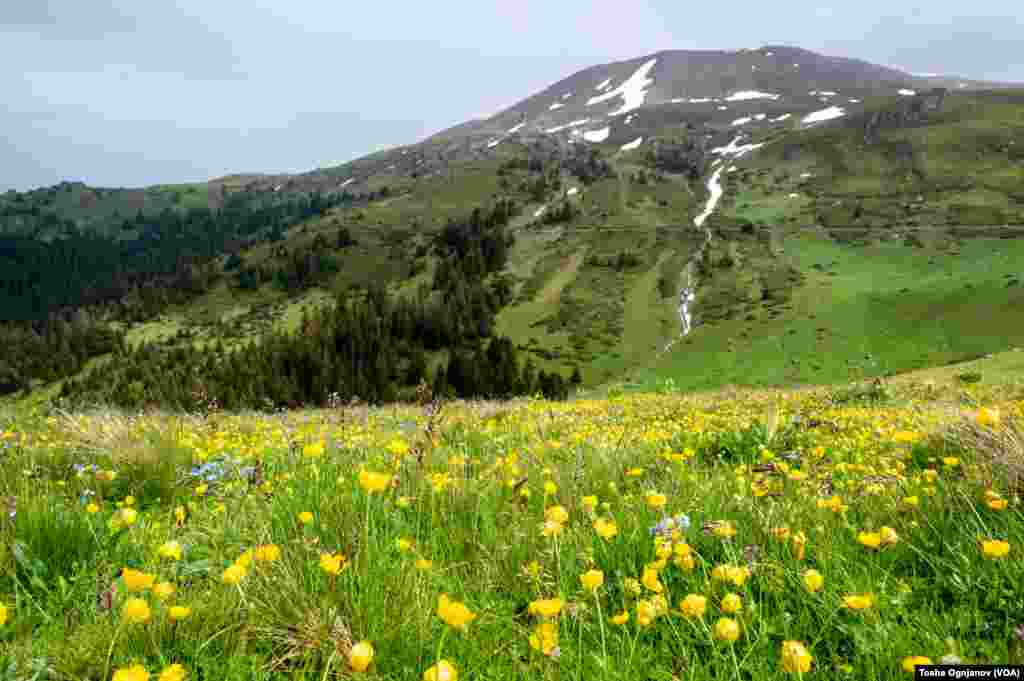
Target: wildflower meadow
x=755, y=535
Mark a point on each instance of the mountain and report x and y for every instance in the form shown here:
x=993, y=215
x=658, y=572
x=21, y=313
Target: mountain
x=847, y=211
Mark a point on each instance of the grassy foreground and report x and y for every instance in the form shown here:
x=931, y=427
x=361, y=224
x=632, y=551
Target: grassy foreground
x=753, y=535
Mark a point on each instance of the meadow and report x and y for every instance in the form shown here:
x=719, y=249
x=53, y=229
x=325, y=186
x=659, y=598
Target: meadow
x=736, y=534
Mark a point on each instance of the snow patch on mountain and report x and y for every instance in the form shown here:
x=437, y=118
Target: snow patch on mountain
x=603, y=84
x=743, y=95
x=515, y=128
x=567, y=95
x=760, y=117
x=702, y=100
x=737, y=150
x=559, y=128
x=597, y=135
x=572, y=192
x=493, y=143
x=907, y=93
x=346, y=182
x=539, y=212
x=741, y=121
x=781, y=118
x=632, y=145
x=823, y=115
x=554, y=106
x=633, y=91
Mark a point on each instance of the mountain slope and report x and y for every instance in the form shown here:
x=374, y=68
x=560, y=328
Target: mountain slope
x=607, y=182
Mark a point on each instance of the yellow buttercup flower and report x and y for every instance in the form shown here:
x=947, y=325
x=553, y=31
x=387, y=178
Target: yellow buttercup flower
x=173, y=672
x=546, y=607
x=725, y=530
x=424, y=564
x=171, y=550
x=178, y=612
x=267, y=553
x=795, y=658
x=650, y=580
x=606, y=529
x=693, y=606
x=988, y=416
x=442, y=671
x=134, y=673
x=911, y=663
x=234, y=574
x=656, y=500
x=3, y=614
x=361, y=655
x=332, y=563
x=305, y=517
x=454, y=613
x=592, y=580
x=727, y=629
x=374, y=482
x=136, y=611
x=545, y=638
x=859, y=601
x=888, y=536
x=550, y=488
x=737, y=574
x=404, y=544
x=135, y=580
x=556, y=514
x=732, y=603
x=995, y=548
x=813, y=580
x=872, y=540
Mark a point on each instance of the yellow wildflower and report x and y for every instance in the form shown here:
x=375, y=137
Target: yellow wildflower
x=547, y=607
x=234, y=574
x=911, y=663
x=995, y=548
x=442, y=671
x=545, y=638
x=732, y=603
x=178, y=612
x=332, y=563
x=173, y=672
x=813, y=580
x=454, y=613
x=859, y=601
x=727, y=629
x=163, y=591
x=693, y=605
x=134, y=673
x=135, y=580
x=592, y=580
x=795, y=658
x=361, y=655
x=374, y=482
x=136, y=611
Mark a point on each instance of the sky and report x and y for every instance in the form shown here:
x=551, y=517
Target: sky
x=129, y=93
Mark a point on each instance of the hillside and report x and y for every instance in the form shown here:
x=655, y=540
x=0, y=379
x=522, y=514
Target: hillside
x=853, y=202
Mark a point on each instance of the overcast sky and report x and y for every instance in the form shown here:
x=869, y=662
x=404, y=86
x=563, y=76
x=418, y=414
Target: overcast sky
x=139, y=92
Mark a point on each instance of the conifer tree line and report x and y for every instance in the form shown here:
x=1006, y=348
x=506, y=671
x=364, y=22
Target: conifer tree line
x=57, y=298
x=90, y=267
x=369, y=344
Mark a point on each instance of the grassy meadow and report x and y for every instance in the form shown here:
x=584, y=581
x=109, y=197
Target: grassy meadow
x=842, y=532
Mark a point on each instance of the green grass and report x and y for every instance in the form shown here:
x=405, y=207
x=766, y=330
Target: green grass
x=455, y=504
x=869, y=311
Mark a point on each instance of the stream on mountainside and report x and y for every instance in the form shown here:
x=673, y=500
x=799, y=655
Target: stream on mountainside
x=688, y=294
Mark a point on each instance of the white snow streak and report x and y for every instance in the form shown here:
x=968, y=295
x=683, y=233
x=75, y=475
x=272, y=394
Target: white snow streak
x=907, y=93
x=701, y=100
x=493, y=143
x=723, y=108
x=539, y=211
x=632, y=145
x=573, y=191
x=760, y=117
x=716, y=194
x=823, y=115
x=515, y=128
x=633, y=91
x=741, y=121
x=793, y=196
x=603, y=85
x=597, y=135
x=554, y=106
x=781, y=118
x=733, y=148
x=347, y=182
x=567, y=95
x=855, y=101
x=559, y=128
